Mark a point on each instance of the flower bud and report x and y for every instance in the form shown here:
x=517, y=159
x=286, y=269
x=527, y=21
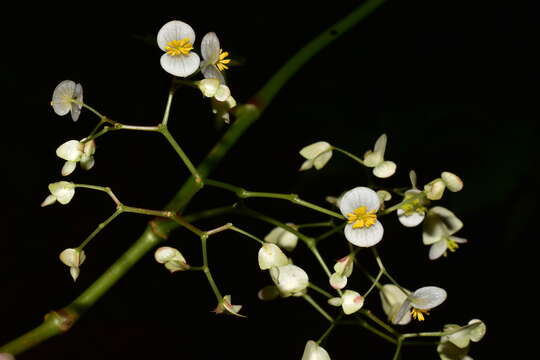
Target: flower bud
x=208, y=87
x=63, y=191
x=171, y=258
x=73, y=258
x=313, y=351
x=452, y=181
x=435, y=189
x=71, y=150
x=352, y=301
x=290, y=280
x=282, y=238
x=270, y=255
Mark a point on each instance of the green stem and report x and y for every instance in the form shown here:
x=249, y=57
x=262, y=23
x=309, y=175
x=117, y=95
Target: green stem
x=244, y=194
x=317, y=224
x=99, y=228
x=320, y=290
x=378, y=321
x=318, y=308
x=398, y=348
x=165, y=119
x=181, y=153
x=245, y=233
x=206, y=270
x=352, y=156
x=156, y=232
x=375, y=282
x=330, y=232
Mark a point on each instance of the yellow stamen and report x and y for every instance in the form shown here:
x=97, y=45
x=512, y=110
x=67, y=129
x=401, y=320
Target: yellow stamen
x=222, y=60
x=452, y=245
x=418, y=314
x=362, y=218
x=179, y=47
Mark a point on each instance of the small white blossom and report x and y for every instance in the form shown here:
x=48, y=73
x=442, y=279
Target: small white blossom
x=439, y=227
x=413, y=212
x=270, y=255
x=68, y=98
x=74, y=151
x=360, y=206
x=63, y=191
x=226, y=307
x=176, y=38
x=73, y=258
x=352, y=301
x=375, y=159
x=342, y=270
x=420, y=302
x=461, y=336
x=313, y=351
x=214, y=58
x=290, y=279
x=392, y=298
x=282, y=238
x=171, y=258
x=316, y=154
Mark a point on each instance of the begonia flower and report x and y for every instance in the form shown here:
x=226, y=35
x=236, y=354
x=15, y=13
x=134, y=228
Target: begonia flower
x=171, y=258
x=214, y=58
x=270, y=255
x=316, y=155
x=375, y=159
x=68, y=98
x=176, y=38
x=420, y=302
x=439, y=227
x=73, y=258
x=392, y=298
x=313, y=351
x=290, y=279
x=360, y=206
x=282, y=238
x=62, y=191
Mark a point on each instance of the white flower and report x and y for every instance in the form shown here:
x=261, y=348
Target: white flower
x=350, y=301
x=62, y=191
x=74, y=151
x=375, y=159
x=270, y=255
x=412, y=213
x=360, y=206
x=461, y=336
x=172, y=258
x=392, y=297
x=420, y=302
x=343, y=269
x=214, y=58
x=439, y=226
x=282, y=238
x=313, y=351
x=226, y=306
x=68, y=97
x=290, y=279
x=176, y=38
x=73, y=258
x=316, y=154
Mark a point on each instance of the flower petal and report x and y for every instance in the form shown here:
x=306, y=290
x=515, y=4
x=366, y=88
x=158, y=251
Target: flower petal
x=385, y=169
x=392, y=297
x=364, y=237
x=380, y=145
x=452, y=223
x=68, y=168
x=428, y=297
x=270, y=255
x=438, y=249
x=180, y=65
x=411, y=220
x=338, y=281
x=352, y=301
x=359, y=196
x=290, y=279
x=210, y=48
x=62, y=95
x=310, y=152
x=452, y=181
x=76, y=107
x=210, y=71
x=313, y=351
x=174, y=30
x=71, y=150
x=322, y=159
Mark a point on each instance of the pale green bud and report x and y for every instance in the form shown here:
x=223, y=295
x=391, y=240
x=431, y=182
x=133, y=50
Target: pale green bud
x=452, y=181
x=270, y=255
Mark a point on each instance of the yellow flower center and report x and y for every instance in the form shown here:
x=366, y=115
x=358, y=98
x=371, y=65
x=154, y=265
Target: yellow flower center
x=362, y=218
x=179, y=47
x=222, y=60
x=418, y=314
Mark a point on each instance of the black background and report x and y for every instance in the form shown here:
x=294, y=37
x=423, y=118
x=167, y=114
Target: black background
x=449, y=82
